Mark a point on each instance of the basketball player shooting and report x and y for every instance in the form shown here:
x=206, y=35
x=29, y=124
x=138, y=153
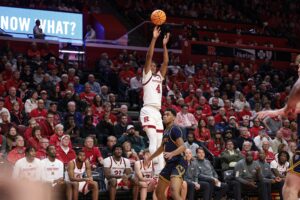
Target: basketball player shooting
x=150, y=115
x=291, y=186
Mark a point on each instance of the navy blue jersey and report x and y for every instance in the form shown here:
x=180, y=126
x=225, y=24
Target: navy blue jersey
x=169, y=141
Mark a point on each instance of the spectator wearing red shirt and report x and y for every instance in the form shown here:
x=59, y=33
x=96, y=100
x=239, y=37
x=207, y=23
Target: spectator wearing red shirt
x=64, y=152
x=169, y=104
x=286, y=130
x=34, y=140
x=63, y=84
x=107, y=112
x=92, y=153
x=52, y=64
x=39, y=113
x=221, y=116
x=191, y=99
x=55, y=139
x=270, y=156
x=216, y=145
x=231, y=113
x=87, y=95
x=205, y=107
x=202, y=134
x=7, y=73
x=28, y=131
x=11, y=98
x=199, y=114
x=33, y=51
x=254, y=130
x=245, y=112
x=126, y=74
x=47, y=126
x=18, y=152
x=15, y=81
x=41, y=153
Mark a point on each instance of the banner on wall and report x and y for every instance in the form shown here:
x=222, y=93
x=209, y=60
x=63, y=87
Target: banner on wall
x=20, y=22
x=248, y=54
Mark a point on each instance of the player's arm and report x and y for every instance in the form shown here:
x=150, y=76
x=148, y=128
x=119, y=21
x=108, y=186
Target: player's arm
x=137, y=170
x=88, y=170
x=149, y=55
x=164, y=66
x=71, y=167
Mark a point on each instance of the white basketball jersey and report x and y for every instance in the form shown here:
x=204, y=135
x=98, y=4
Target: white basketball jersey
x=152, y=88
x=78, y=173
x=117, y=167
x=147, y=172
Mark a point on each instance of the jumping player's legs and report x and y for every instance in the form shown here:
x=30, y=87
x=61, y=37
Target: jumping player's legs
x=291, y=187
x=161, y=189
x=175, y=187
x=159, y=136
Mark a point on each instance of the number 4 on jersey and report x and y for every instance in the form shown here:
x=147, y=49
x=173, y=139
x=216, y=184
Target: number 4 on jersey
x=158, y=88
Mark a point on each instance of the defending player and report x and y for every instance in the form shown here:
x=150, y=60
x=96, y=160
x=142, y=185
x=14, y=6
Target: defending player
x=172, y=147
x=150, y=116
x=291, y=186
x=76, y=169
x=144, y=173
x=117, y=172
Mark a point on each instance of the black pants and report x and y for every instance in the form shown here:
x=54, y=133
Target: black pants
x=235, y=187
x=217, y=192
x=278, y=187
x=263, y=188
x=204, y=189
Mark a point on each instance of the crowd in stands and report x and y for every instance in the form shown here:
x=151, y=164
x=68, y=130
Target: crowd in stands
x=45, y=100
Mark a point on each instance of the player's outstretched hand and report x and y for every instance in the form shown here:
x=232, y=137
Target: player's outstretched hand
x=166, y=39
x=156, y=32
x=270, y=113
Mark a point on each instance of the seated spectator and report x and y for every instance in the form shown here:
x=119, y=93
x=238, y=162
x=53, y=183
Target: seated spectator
x=292, y=150
x=108, y=111
x=6, y=124
x=64, y=152
x=44, y=96
x=18, y=152
x=263, y=136
x=135, y=89
x=107, y=151
x=221, y=116
x=208, y=174
x=129, y=153
x=77, y=86
x=216, y=145
x=249, y=175
x=27, y=168
x=28, y=131
x=104, y=129
x=286, y=131
x=57, y=118
x=39, y=113
x=214, y=106
x=281, y=165
x=198, y=113
x=245, y=136
x=11, y=138
x=144, y=174
x=47, y=126
x=191, y=177
x=233, y=126
x=95, y=86
x=190, y=144
x=33, y=51
x=11, y=98
x=230, y=156
x=247, y=146
x=88, y=129
x=31, y=103
x=206, y=109
x=240, y=103
x=92, y=153
x=268, y=151
x=55, y=139
x=71, y=110
x=211, y=126
x=256, y=128
x=34, y=140
x=88, y=95
x=3, y=109
x=133, y=136
x=121, y=126
x=17, y=115
x=202, y=134
x=72, y=129
x=97, y=106
x=117, y=171
x=41, y=153
x=185, y=119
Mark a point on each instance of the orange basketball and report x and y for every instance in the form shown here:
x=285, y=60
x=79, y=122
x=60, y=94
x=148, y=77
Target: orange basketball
x=158, y=17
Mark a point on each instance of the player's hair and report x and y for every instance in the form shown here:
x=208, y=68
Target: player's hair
x=48, y=147
x=286, y=154
x=28, y=149
x=79, y=151
x=171, y=110
x=116, y=146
